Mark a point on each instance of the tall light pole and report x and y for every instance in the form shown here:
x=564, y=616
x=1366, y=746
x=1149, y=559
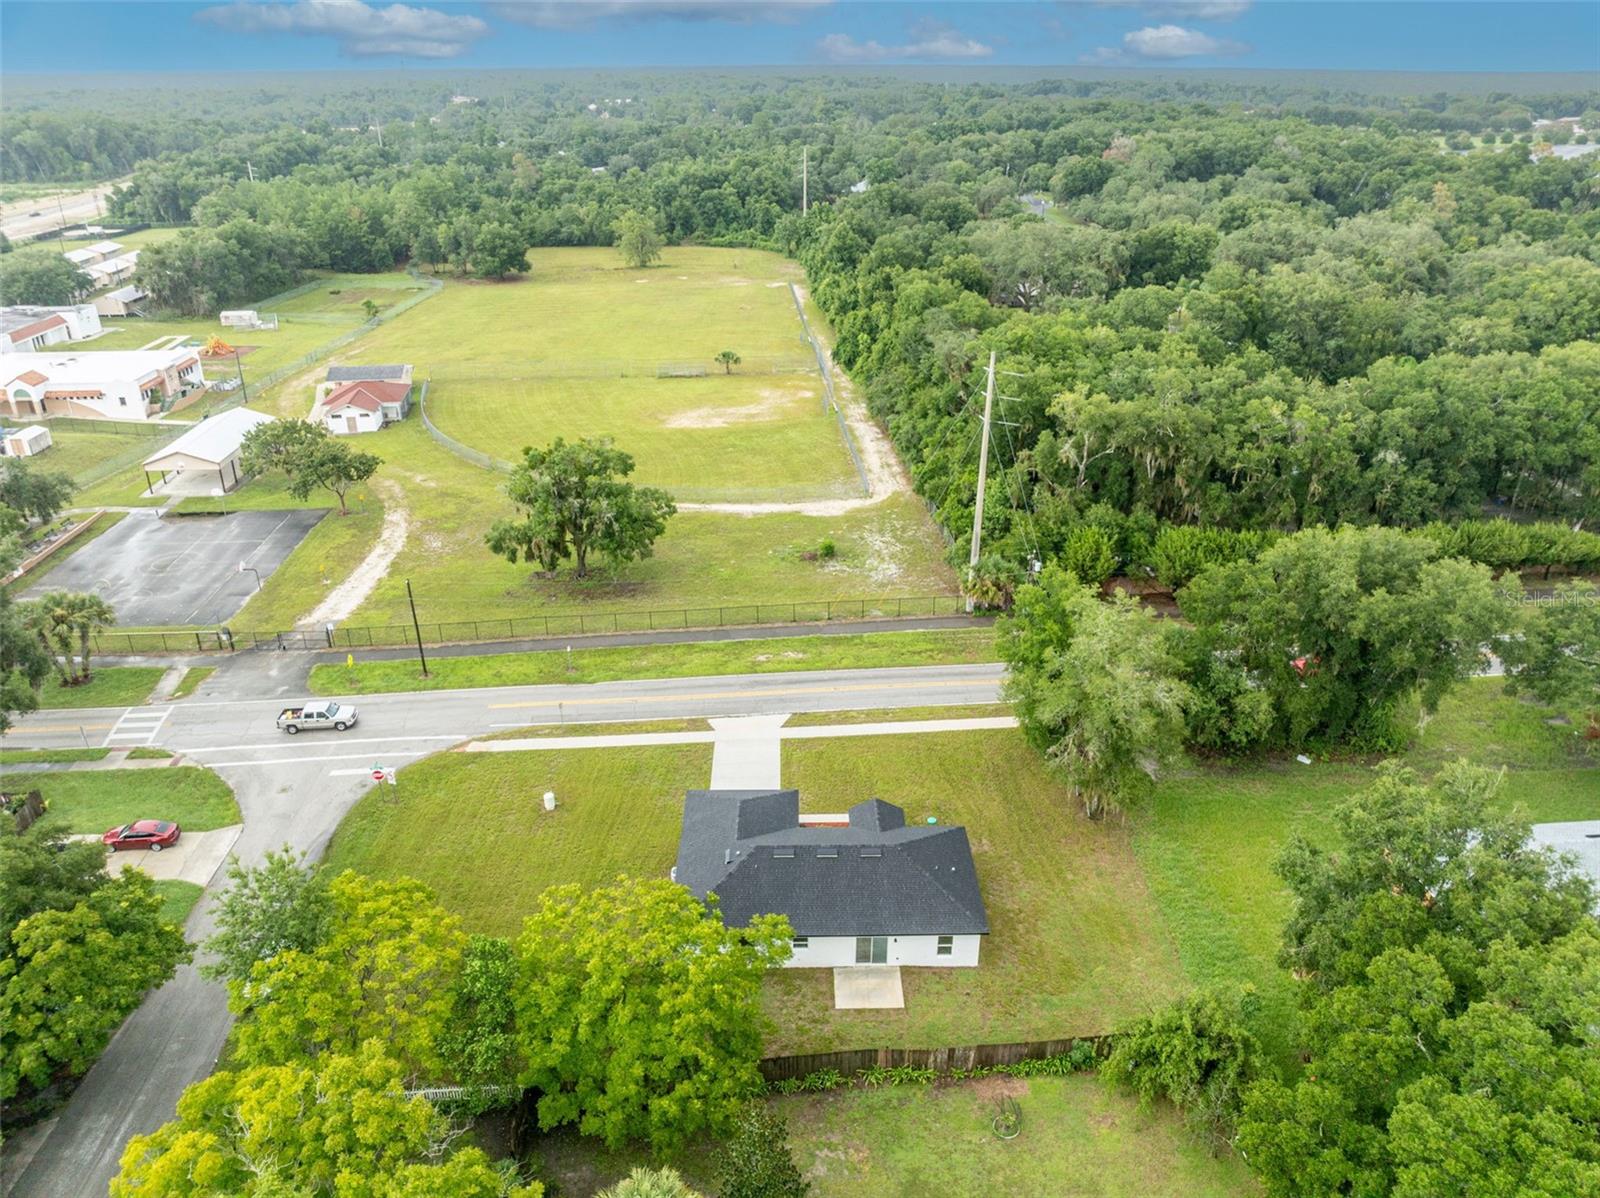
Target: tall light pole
x=423, y=657
x=983, y=478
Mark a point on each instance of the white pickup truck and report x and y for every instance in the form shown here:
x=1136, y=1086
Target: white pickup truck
x=319, y=713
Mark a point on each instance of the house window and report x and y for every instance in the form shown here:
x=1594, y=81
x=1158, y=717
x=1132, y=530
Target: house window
x=800, y=943
x=946, y=946
x=123, y=400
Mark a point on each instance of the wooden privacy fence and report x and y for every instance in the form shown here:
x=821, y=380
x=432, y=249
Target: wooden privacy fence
x=852, y=1061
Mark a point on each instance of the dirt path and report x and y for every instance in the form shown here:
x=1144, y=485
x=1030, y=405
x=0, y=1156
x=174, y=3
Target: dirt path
x=885, y=475
x=341, y=602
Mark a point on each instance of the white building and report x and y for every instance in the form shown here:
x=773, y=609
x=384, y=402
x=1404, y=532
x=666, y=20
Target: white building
x=204, y=460
x=90, y=254
x=362, y=399
x=133, y=384
x=124, y=301
x=860, y=888
x=29, y=328
x=24, y=442
x=113, y=271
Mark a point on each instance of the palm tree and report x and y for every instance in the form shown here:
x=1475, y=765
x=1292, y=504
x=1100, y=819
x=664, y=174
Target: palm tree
x=650, y=1183
x=62, y=616
x=41, y=617
x=88, y=615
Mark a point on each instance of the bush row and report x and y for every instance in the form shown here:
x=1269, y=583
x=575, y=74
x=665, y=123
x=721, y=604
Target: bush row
x=1107, y=543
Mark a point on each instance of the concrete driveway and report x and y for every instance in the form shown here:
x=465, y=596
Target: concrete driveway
x=195, y=858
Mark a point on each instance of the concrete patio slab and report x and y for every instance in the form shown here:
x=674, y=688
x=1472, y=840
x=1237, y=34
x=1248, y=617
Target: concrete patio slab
x=868, y=988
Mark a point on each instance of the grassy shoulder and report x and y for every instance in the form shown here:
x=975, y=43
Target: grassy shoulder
x=108, y=686
x=191, y=680
x=90, y=801
x=1077, y=1138
x=50, y=756
x=767, y=656
x=898, y=715
x=618, y=728
x=178, y=899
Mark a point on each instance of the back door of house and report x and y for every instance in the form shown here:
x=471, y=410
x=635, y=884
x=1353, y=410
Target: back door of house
x=872, y=950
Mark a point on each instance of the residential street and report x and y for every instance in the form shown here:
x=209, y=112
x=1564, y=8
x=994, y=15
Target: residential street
x=295, y=789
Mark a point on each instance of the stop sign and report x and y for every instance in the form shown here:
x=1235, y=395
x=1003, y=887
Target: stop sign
x=377, y=773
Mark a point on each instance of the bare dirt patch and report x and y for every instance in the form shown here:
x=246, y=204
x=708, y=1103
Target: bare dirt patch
x=350, y=594
x=769, y=407
x=998, y=1086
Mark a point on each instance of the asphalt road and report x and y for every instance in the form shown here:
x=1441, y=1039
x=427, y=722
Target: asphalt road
x=54, y=212
x=295, y=790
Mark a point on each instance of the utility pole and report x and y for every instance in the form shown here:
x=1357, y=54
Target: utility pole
x=805, y=179
x=251, y=170
x=423, y=657
x=983, y=477
x=239, y=366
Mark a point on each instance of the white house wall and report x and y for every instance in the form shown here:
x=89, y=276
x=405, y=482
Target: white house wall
x=826, y=952
x=366, y=422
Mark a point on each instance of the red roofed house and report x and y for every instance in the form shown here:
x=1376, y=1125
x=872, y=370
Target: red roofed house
x=365, y=403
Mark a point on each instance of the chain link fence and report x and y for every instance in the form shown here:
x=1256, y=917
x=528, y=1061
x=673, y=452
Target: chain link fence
x=554, y=624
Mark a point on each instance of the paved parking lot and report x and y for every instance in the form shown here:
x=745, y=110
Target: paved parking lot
x=180, y=570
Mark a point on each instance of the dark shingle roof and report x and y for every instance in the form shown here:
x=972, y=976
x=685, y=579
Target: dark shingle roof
x=875, y=877
x=367, y=374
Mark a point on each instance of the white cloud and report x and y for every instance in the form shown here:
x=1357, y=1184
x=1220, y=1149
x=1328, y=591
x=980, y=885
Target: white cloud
x=362, y=30
x=1164, y=43
x=929, y=41
x=1194, y=10
x=576, y=14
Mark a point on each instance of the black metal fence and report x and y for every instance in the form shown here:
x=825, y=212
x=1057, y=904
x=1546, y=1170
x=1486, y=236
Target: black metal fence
x=556, y=624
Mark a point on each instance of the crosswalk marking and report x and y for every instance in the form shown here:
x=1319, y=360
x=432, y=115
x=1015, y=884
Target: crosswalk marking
x=138, y=726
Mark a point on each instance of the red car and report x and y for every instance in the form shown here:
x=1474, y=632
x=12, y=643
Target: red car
x=152, y=834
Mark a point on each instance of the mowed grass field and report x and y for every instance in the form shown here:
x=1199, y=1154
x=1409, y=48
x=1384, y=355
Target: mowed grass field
x=704, y=558
x=715, y=439
x=574, y=349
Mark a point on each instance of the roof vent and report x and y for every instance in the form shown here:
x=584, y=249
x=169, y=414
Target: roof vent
x=727, y=856
x=871, y=851
x=828, y=851
x=783, y=852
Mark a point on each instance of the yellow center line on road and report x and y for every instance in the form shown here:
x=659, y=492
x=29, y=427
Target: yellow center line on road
x=756, y=694
x=28, y=728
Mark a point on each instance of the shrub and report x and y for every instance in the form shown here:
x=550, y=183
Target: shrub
x=1090, y=554
x=1199, y=1053
x=826, y=549
x=756, y=1162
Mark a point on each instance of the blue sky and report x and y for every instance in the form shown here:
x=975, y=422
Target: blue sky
x=1429, y=35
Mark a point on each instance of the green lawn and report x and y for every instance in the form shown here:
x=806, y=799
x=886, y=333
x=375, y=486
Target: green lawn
x=956, y=645
x=191, y=680
x=19, y=756
x=128, y=241
x=584, y=304
x=90, y=801
x=1209, y=840
x=110, y=686
x=471, y=825
x=1076, y=944
x=1078, y=1138
x=178, y=899
x=333, y=547
x=714, y=439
